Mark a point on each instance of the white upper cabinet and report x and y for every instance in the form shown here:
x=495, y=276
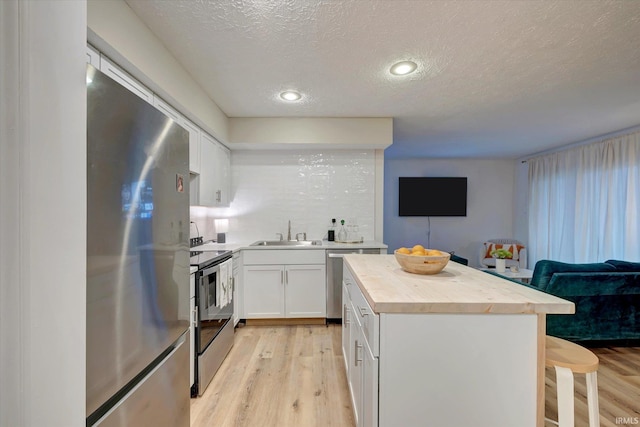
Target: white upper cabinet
x=93, y=57
x=208, y=187
x=117, y=74
x=168, y=110
x=194, y=145
x=209, y=160
x=215, y=164
x=194, y=132
x=223, y=174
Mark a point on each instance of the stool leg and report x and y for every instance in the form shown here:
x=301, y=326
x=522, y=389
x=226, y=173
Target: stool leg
x=564, y=379
x=592, y=399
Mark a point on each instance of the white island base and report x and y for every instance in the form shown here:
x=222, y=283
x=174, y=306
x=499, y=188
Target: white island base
x=458, y=348
x=458, y=370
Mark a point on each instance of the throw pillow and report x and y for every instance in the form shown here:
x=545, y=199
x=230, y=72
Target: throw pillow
x=513, y=248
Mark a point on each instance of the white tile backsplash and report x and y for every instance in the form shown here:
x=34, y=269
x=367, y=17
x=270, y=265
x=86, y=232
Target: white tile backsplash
x=307, y=187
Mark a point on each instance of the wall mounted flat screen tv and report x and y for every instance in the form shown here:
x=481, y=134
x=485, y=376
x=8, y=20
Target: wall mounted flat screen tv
x=432, y=196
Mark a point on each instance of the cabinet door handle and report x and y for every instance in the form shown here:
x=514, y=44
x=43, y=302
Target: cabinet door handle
x=345, y=315
x=282, y=277
x=286, y=277
x=356, y=358
x=218, y=195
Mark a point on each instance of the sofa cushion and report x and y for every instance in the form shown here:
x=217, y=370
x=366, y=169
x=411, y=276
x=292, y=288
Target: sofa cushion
x=544, y=270
x=607, y=306
x=624, y=265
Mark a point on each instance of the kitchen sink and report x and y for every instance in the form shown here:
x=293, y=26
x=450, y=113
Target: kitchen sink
x=287, y=243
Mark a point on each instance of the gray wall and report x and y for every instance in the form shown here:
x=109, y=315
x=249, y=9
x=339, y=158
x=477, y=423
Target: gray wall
x=490, y=205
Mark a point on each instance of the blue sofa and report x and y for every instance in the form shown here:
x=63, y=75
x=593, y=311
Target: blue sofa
x=606, y=296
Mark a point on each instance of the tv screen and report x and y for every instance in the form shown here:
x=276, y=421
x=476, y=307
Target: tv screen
x=433, y=196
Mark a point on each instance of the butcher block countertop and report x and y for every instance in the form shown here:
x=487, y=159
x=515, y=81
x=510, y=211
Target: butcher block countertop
x=456, y=289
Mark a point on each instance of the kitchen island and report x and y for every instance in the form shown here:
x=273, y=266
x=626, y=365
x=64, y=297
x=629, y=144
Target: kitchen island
x=458, y=348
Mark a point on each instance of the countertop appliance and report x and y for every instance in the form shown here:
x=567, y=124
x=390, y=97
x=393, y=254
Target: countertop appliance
x=137, y=261
x=214, y=312
x=334, y=279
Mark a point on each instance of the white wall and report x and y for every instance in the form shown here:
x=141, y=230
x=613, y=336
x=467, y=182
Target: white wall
x=490, y=205
x=42, y=213
x=307, y=187
x=118, y=32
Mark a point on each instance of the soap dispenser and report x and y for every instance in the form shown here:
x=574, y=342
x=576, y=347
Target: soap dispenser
x=331, y=234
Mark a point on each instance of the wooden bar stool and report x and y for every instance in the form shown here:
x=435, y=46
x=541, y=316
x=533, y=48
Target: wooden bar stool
x=568, y=358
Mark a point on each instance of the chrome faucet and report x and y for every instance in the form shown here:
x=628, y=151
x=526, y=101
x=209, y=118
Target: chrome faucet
x=289, y=231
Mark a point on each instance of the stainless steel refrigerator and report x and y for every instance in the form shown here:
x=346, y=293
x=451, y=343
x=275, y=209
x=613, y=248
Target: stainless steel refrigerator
x=137, y=261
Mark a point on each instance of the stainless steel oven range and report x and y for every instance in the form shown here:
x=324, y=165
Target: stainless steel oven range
x=214, y=307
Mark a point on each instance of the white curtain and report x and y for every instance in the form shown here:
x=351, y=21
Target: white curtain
x=584, y=203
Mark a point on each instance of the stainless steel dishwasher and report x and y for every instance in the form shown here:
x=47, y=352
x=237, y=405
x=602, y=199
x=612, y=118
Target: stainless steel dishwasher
x=334, y=279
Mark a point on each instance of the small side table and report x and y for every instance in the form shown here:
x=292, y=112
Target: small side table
x=524, y=275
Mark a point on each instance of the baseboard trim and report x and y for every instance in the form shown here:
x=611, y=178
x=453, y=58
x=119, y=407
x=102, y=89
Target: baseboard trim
x=286, y=322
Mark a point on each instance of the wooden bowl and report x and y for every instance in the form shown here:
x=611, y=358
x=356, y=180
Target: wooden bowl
x=427, y=264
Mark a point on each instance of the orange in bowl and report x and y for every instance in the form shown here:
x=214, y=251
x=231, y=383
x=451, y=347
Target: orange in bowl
x=425, y=261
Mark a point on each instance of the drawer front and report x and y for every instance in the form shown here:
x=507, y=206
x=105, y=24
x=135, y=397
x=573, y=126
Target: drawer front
x=283, y=256
x=365, y=316
x=347, y=281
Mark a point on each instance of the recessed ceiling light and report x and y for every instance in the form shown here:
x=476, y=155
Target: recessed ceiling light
x=290, y=95
x=403, y=68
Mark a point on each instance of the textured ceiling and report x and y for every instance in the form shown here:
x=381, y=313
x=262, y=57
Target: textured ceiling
x=495, y=78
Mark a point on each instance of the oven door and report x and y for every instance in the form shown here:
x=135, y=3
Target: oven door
x=214, y=299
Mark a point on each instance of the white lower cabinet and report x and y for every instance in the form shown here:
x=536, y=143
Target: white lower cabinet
x=370, y=371
x=360, y=358
x=356, y=369
x=305, y=291
x=272, y=289
x=438, y=369
x=263, y=291
x=284, y=291
x=346, y=322
x=235, y=280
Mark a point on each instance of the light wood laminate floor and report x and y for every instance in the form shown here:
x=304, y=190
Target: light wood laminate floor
x=279, y=376
x=294, y=376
